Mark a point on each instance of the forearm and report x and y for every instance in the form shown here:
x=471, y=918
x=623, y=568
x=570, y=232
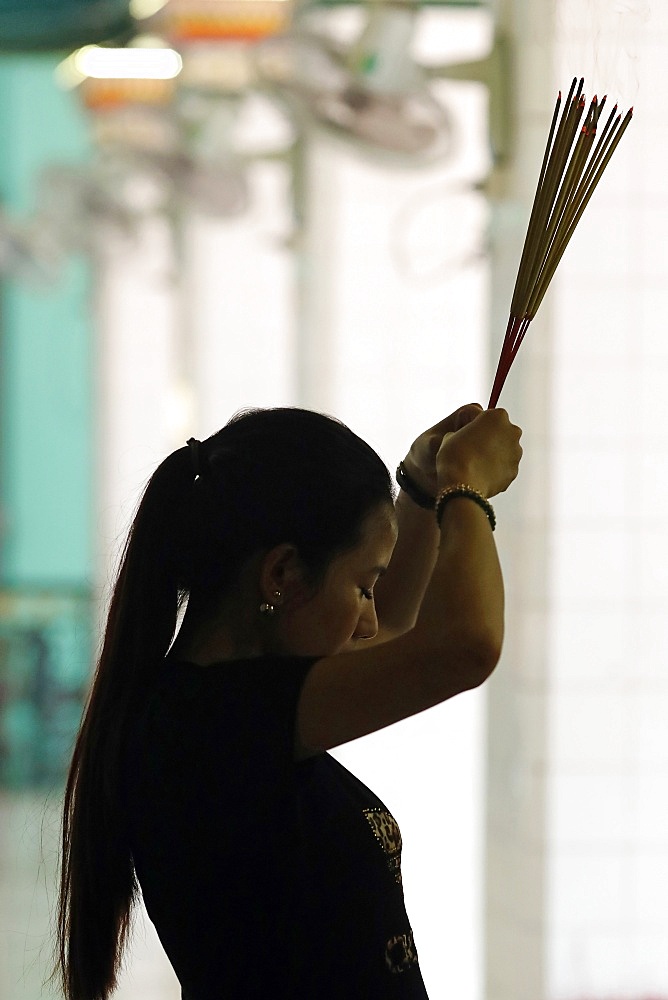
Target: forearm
x=399, y=593
x=462, y=611
x=455, y=643
x=466, y=586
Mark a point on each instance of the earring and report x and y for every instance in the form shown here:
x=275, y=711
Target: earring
x=269, y=609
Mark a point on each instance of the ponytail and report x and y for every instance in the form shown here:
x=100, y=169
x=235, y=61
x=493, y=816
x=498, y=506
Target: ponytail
x=98, y=886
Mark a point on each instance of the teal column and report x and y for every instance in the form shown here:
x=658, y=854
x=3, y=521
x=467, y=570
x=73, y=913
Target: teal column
x=45, y=450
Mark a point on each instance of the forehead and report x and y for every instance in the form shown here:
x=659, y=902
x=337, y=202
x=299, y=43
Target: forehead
x=380, y=523
x=378, y=535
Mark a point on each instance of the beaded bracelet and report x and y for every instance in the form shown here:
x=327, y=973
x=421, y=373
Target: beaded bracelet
x=415, y=492
x=463, y=490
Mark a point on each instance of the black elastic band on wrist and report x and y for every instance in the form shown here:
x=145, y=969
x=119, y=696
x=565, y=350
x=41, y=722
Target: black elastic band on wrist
x=409, y=486
x=464, y=490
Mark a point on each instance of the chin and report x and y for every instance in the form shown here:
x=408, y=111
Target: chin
x=346, y=647
x=306, y=649
x=349, y=647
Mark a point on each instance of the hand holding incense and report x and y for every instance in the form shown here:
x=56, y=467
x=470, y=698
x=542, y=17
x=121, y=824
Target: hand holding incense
x=572, y=167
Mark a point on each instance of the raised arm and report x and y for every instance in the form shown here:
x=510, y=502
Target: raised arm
x=456, y=640
x=399, y=593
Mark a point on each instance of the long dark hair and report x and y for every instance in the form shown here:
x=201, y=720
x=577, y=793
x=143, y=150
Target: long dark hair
x=269, y=476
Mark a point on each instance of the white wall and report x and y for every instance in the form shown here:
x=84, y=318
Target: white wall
x=608, y=740
x=578, y=802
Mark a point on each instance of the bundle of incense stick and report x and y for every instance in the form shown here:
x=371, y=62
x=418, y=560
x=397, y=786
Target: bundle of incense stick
x=572, y=167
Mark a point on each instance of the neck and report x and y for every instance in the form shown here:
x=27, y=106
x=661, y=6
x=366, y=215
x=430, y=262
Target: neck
x=211, y=633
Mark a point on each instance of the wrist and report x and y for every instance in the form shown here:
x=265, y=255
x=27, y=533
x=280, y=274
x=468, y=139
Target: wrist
x=463, y=490
x=413, y=489
x=455, y=473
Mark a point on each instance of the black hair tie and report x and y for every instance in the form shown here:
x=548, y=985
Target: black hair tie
x=195, y=455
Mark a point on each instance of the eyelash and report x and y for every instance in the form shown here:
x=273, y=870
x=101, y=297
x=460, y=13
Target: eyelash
x=367, y=594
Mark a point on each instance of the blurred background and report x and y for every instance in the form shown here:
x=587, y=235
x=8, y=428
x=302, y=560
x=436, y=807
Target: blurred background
x=211, y=204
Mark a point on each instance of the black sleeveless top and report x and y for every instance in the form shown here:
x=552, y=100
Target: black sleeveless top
x=266, y=879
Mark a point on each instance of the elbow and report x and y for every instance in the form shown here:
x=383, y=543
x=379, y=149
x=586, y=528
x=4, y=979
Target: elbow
x=483, y=662
x=461, y=662
x=481, y=659
x=477, y=659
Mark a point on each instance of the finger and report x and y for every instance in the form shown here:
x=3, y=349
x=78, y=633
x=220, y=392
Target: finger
x=466, y=414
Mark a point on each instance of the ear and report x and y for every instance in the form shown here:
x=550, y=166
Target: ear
x=282, y=570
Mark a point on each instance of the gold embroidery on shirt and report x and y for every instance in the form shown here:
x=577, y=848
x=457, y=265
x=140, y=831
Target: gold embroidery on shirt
x=401, y=953
x=386, y=831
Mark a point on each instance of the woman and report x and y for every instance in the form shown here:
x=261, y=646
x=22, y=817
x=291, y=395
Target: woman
x=318, y=610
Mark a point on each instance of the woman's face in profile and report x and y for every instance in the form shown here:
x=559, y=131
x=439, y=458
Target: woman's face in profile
x=342, y=612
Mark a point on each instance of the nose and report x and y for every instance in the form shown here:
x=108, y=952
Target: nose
x=367, y=626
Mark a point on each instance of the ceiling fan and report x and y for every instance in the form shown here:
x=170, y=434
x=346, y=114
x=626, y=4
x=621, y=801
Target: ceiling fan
x=371, y=92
